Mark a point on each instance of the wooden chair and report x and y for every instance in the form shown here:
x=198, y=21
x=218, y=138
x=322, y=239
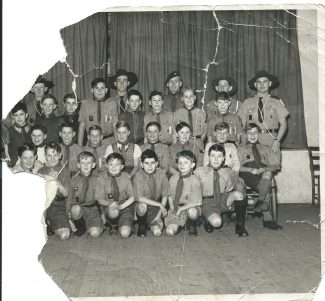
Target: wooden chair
x=315, y=173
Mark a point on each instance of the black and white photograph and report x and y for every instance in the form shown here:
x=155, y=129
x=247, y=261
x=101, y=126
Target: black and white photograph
x=163, y=152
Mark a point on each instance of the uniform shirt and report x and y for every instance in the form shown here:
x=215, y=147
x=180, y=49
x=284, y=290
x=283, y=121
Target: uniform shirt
x=74, y=151
x=109, y=116
x=104, y=187
x=192, y=192
x=117, y=99
x=135, y=120
x=166, y=123
x=212, y=108
x=99, y=153
x=34, y=170
x=136, y=153
x=231, y=160
x=206, y=176
x=162, y=152
x=174, y=149
x=72, y=119
x=52, y=124
x=173, y=102
x=268, y=157
x=141, y=185
x=41, y=154
x=235, y=125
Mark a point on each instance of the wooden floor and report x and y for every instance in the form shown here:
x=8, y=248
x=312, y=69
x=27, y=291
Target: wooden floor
x=286, y=261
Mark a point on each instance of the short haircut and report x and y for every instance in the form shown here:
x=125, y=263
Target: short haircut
x=25, y=147
x=95, y=128
x=222, y=96
x=186, y=154
x=86, y=155
x=134, y=92
x=250, y=126
x=46, y=96
x=121, y=124
x=149, y=154
x=19, y=106
x=181, y=125
x=96, y=81
x=153, y=123
x=53, y=145
x=66, y=125
x=217, y=148
x=39, y=127
x=188, y=89
x=154, y=93
x=221, y=126
x=115, y=156
x=69, y=95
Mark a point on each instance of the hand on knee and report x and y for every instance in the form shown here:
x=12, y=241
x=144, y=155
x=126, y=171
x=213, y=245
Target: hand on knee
x=125, y=231
x=267, y=175
x=193, y=213
x=113, y=213
x=141, y=209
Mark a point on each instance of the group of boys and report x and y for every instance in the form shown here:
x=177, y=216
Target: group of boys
x=150, y=168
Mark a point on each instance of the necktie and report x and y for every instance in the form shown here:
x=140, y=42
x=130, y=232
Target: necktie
x=257, y=156
x=123, y=146
x=190, y=117
x=260, y=110
x=122, y=103
x=152, y=146
x=114, y=187
x=95, y=153
x=85, y=190
x=135, y=126
x=153, y=186
x=66, y=154
x=173, y=102
x=216, y=187
x=158, y=117
x=180, y=187
x=99, y=112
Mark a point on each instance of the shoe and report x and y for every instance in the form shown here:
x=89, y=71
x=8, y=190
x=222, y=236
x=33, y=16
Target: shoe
x=261, y=206
x=112, y=229
x=207, y=226
x=80, y=226
x=142, y=230
x=192, y=231
x=272, y=225
x=240, y=230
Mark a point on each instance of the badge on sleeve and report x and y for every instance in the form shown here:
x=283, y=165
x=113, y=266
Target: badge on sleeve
x=91, y=118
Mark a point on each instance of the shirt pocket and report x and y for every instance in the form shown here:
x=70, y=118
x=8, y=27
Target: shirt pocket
x=271, y=117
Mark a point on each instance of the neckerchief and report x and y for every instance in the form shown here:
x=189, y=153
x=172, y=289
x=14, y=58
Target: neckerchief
x=180, y=186
x=114, y=186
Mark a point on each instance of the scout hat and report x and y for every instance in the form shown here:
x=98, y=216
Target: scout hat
x=42, y=80
x=262, y=73
x=132, y=77
x=171, y=75
x=231, y=82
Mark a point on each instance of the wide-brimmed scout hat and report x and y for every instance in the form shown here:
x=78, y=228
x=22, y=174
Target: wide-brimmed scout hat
x=172, y=75
x=231, y=82
x=263, y=73
x=42, y=80
x=132, y=78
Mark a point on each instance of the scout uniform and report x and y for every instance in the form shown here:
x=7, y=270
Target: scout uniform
x=56, y=213
x=82, y=193
x=166, y=121
x=120, y=102
x=101, y=113
x=196, y=118
x=154, y=187
x=70, y=153
x=162, y=152
x=119, y=189
x=18, y=167
x=52, y=124
x=99, y=154
x=173, y=102
x=135, y=120
x=212, y=108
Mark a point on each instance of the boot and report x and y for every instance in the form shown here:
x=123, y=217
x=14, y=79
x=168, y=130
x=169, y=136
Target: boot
x=207, y=226
x=271, y=225
x=240, y=209
x=191, y=228
x=113, y=226
x=142, y=226
x=81, y=227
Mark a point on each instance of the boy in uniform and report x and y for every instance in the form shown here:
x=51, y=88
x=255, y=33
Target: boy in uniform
x=173, y=98
x=218, y=192
x=82, y=206
x=185, y=196
x=130, y=151
x=71, y=114
x=134, y=116
x=223, y=115
x=98, y=111
x=153, y=132
x=56, y=216
x=158, y=114
x=183, y=134
x=38, y=135
x=267, y=111
x=258, y=162
x=115, y=193
x=151, y=192
x=192, y=115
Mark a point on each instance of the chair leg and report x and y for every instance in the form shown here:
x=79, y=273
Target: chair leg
x=313, y=190
x=274, y=204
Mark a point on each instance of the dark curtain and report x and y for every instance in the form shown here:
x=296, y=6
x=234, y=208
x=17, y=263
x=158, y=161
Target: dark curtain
x=153, y=44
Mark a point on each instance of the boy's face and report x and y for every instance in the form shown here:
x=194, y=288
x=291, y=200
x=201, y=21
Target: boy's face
x=70, y=105
x=122, y=83
x=95, y=137
x=115, y=166
x=262, y=84
x=153, y=134
x=39, y=90
x=52, y=157
x=48, y=106
x=86, y=165
x=149, y=165
x=223, y=105
x=222, y=135
x=216, y=159
x=27, y=159
x=99, y=91
x=188, y=98
x=134, y=102
x=184, y=135
x=252, y=135
x=156, y=103
x=185, y=165
x=122, y=134
x=67, y=134
x=38, y=137
x=223, y=86
x=174, y=84
x=20, y=118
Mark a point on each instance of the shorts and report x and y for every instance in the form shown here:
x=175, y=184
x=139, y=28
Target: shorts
x=57, y=217
x=126, y=216
x=152, y=212
x=210, y=206
x=92, y=217
x=180, y=220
